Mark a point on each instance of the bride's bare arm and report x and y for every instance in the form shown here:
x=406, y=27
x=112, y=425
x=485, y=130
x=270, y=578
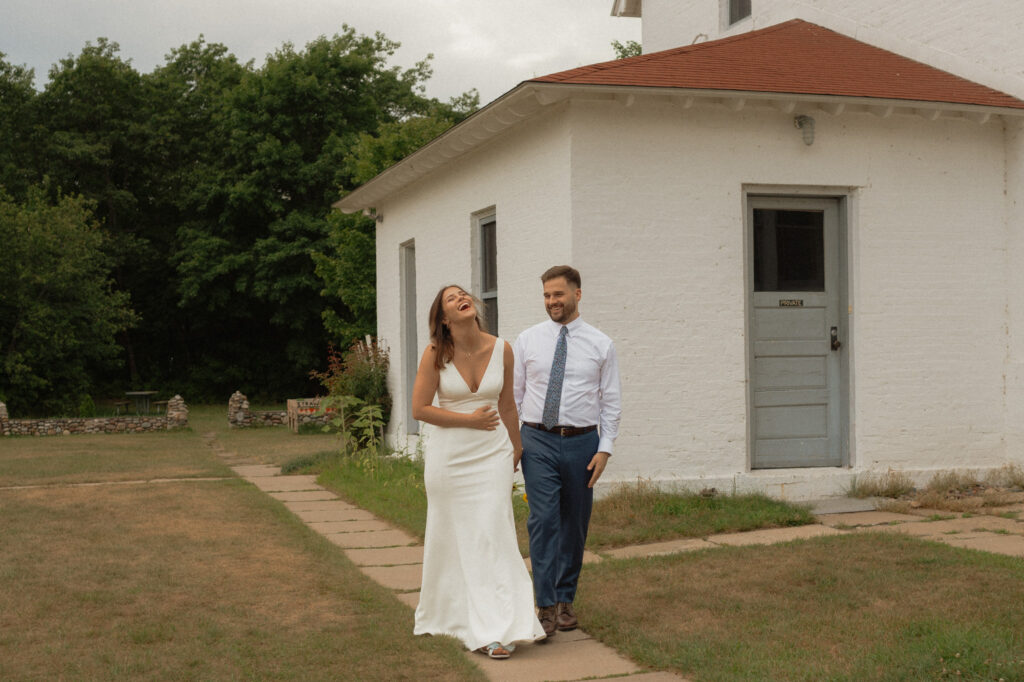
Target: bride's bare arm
x=423, y=409
x=507, y=406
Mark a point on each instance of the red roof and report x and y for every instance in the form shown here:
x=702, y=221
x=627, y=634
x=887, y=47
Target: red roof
x=795, y=57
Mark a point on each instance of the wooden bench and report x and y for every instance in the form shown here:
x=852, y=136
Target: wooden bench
x=159, y=406
x=118, y=404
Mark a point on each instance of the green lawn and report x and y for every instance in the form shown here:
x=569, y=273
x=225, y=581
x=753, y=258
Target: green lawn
x=863, y=606
x=860, y=606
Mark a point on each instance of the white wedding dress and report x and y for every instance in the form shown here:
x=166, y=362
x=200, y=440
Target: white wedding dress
x=475, y=584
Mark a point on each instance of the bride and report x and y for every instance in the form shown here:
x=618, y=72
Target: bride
x=475, y=585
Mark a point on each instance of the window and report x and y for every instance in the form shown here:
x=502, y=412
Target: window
x=410, y=356
x=488, y=245
x=738, y=10
x=789, y=250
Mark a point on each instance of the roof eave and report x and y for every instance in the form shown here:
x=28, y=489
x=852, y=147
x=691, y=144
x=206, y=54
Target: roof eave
x=530, y=97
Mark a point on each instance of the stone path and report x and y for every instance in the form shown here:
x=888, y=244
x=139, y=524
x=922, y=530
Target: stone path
x=393, y=558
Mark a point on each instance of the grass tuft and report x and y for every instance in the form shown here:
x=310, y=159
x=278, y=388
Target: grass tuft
x=892, y=484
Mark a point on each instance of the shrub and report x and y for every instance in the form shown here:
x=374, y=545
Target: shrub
x=86, y=407
x=361, y=372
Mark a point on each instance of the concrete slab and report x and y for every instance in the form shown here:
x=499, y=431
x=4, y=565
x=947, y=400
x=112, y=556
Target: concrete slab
x=254, y=470
x=659, y=676
x=971, y=525
x=388, y=556
x=372, y=539
x=409, y=598
x=321, y=505
x=556, y=660
x=396, y=577
x=322, y=515
x=345, y=513
x=868, y=518
x=1012, y=545
x=772, y=535
x=304, y=496
x=658, y=548
x=330, y=527
x=284, y=483
x=842, y=505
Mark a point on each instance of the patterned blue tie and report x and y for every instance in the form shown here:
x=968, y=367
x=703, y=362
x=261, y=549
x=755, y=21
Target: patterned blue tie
x=554, y=395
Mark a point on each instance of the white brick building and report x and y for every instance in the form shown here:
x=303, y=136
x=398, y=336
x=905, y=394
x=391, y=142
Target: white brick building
x=720, y=245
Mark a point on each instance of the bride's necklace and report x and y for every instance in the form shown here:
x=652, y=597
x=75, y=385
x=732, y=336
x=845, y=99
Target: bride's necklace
x=471, y=353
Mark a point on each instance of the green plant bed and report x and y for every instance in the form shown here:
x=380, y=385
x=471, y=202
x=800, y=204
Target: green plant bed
x=392, y=488
x=639, y=512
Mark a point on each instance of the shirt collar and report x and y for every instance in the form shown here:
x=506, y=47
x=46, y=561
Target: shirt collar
x=556, y=327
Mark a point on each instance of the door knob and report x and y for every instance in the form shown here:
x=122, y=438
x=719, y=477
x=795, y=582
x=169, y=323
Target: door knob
x=836, y=343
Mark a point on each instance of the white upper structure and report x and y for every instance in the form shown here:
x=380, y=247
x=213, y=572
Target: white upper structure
x=982, y=40
x=805, y=248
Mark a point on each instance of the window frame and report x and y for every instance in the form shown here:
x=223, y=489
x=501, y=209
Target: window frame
x=486, y=261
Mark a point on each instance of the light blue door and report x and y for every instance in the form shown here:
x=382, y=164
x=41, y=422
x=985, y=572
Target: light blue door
x=796, y=341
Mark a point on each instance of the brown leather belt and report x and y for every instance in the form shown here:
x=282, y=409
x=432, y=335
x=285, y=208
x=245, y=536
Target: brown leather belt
x=563, y=431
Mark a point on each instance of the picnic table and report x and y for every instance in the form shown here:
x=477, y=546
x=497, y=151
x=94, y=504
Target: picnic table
x=141, y=400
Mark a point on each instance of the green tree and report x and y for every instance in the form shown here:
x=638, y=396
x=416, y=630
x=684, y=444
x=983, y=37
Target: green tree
x=16, y=128
x=630, y=48
x=94, y=114
x=59, y=311
x=348, y=265
x=260, y=211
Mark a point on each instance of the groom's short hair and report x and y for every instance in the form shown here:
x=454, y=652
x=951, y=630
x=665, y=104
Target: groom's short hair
x=571, y=274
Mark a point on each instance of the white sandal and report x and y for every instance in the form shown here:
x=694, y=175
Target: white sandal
x=497, y=650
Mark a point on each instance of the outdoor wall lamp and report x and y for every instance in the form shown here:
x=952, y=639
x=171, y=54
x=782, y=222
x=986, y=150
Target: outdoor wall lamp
x=806, y=126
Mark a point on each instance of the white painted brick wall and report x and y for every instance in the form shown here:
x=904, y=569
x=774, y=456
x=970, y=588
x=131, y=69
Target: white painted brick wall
x=1015, y=302
x=660, y=191
x=979, y=39
x=647, y=201
x=525, y=177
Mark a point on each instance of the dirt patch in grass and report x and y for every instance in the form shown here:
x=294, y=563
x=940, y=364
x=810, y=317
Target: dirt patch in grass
x=198, y=580
x=853, y=607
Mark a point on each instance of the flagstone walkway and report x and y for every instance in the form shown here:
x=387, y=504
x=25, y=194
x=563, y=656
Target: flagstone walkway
x=393, y=558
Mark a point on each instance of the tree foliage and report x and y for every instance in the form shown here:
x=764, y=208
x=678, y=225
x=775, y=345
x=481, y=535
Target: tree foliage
x=630, y=48
x=212, y=182
x=59, y=312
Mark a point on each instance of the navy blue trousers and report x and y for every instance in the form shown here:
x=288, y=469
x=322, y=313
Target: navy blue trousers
x=555, y=471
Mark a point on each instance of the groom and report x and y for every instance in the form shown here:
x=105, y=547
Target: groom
x=567, y=394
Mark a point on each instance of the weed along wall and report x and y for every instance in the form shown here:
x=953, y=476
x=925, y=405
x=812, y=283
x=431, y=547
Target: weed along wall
x=175, y=418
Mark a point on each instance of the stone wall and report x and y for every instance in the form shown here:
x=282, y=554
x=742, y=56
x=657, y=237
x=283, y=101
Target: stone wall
x=241, y=417
x=175, y=417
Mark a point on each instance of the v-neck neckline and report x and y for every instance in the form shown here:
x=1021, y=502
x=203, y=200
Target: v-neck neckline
x=487, y=367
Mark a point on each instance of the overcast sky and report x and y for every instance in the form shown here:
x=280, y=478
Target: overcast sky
x=490, y=45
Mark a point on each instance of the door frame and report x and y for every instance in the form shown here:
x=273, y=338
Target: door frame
x=845, y=199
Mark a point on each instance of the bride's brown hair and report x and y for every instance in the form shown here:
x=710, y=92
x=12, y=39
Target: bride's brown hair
x=440, y=334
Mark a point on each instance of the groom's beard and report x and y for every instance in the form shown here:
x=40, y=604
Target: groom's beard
x=561, y=312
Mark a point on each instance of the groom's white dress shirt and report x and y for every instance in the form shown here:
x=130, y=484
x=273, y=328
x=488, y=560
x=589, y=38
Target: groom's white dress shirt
x=591, y=393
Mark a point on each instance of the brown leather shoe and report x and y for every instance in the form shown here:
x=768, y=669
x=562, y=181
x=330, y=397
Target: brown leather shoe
x=548, y=615
x=566, y=617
